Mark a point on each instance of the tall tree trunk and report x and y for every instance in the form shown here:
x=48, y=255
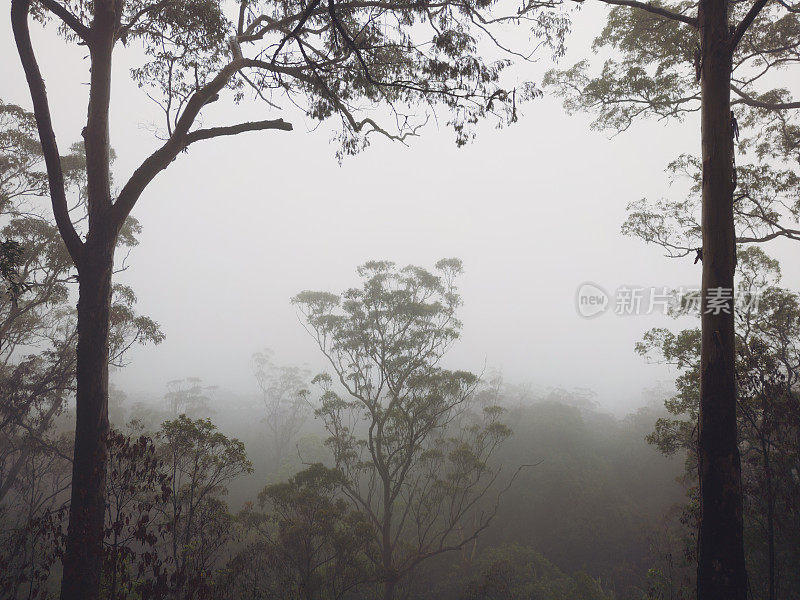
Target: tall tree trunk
x=84, y=551
x=721, y=568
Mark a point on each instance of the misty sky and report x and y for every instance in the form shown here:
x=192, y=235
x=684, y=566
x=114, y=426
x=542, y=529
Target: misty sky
x=237, y=226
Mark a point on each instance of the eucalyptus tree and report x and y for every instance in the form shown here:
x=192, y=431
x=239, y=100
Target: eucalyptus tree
x=308, y=545
x=188, y=396
x=37, y=355
x=200, y=462
x=412, y=456
x=335, y=59
x=284, y=392
x=37, y=313
x=670, y=59
x=768, y=415
x=37, y=317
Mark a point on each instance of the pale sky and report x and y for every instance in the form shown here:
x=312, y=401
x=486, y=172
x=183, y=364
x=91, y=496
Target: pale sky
x=236, y=226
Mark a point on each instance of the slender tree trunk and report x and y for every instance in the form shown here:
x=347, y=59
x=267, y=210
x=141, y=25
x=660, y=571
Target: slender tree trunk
x=387, y=548
x=84, y=551
x=721, y=568
x=770, y=519
x=388, y=588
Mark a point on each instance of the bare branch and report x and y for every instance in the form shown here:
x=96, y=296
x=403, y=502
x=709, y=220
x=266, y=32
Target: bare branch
x=161, y=158
x=213, y=132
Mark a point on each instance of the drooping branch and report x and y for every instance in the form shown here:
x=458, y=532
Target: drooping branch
x=787, y=233
x=47, y=137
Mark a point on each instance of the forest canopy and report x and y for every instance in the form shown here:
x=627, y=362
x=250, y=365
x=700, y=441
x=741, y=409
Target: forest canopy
x=233, y=368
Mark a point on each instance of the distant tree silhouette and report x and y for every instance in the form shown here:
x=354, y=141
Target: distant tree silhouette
x=412, y=457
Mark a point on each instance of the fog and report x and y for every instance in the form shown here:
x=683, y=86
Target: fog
x=502, y=425
x=234, y=228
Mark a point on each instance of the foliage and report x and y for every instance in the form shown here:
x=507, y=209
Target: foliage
x=29, y=555
x=652, y=72
x=329, y=58
x=136, y=486
x=311, y=543
x=200, y=462
x=520, y=573
x=411, y=456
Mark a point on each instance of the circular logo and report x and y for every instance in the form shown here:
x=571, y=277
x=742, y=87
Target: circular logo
x=591, y=300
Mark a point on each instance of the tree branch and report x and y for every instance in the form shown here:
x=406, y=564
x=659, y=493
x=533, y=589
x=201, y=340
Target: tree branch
x=656, y=10
x=47, y=137
x=748, y=19
x=785, y=5
x=790, y=234
x=750, y=101
x=181, y=137
x=161, y=158
x=67, y=17
x=213, y=132
x=124, y=29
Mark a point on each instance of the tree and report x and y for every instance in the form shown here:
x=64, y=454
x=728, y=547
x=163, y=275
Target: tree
x=37, y=357
x=200, y=461
x=188, y=397
x=37, y=315
x=768, y=413
x=310, y=544
x=666, y=49
x=327, y=57
x=411, y=455
x=516, y=572
x=285, y=396
x=137, y=486
x=43, y=271
x=32, y=516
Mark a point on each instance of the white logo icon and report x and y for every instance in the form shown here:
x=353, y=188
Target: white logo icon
x=591, y=300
